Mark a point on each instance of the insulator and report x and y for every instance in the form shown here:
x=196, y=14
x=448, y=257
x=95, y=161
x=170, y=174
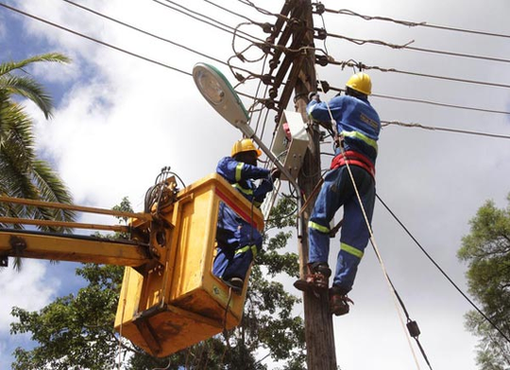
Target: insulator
x=319, y=8
x=325, y=86
x=267, y=79
x=321, y=60
x=273, y=64
x=413, y=328
x=321, y=34
x=269, y=104
x=267, y=27
x=273, y=93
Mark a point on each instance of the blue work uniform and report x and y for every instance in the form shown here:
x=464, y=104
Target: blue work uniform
x=359, y=124
x=237, y=240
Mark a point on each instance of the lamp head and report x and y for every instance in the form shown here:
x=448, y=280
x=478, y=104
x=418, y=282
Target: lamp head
x=220, y=95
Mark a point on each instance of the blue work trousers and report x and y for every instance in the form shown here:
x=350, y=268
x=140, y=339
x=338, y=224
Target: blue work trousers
x=237, y=244
x=337, y=191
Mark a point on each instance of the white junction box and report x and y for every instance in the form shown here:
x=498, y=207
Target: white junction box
x=291, y=142
x=289, y=147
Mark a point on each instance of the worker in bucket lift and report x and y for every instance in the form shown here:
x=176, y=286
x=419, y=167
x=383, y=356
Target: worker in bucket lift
x=237, y=240
x=357, y=131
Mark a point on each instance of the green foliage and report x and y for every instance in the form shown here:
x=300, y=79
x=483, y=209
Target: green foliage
x=76, y=332
x=23, y=174
x=73, y=332
x=487, y=251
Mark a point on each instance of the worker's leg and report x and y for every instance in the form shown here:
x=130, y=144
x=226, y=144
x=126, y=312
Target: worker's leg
x=226, y=239
x=355, y=233
x=330, y=198
x=224, y=254
x=250, y=242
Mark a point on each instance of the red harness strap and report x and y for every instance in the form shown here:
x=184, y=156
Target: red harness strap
x=354, y=159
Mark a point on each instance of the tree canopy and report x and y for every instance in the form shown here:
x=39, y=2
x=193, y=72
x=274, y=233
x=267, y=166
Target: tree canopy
x=486, y=249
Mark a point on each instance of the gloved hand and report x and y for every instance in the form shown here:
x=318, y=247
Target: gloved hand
x=275, y=174
x=313, y=95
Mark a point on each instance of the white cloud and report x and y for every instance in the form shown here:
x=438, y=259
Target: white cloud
x=124, y=119
x=32, y=288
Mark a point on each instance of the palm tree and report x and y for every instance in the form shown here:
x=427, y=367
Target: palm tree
x=22, y=174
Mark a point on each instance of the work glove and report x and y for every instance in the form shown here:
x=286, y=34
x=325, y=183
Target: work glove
x=275, y=174
x=313, y=95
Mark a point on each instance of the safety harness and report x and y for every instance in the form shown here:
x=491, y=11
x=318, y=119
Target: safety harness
x=354, y=159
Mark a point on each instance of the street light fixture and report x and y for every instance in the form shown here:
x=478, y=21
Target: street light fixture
x=220, y=94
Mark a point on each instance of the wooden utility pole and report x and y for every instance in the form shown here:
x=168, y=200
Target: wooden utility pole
x=320, y=339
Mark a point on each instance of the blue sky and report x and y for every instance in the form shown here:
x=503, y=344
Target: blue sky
x=119, y=120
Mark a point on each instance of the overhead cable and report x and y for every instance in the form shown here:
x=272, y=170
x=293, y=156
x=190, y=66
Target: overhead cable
x=442, y=271
x=144, y=32
x=362, y=66
x=231, y=11
x=94, y=39
x=421, y=101
x=433, y=128
x=208, y=20
x=439, y=104
x=415, y=24
x=408, y=47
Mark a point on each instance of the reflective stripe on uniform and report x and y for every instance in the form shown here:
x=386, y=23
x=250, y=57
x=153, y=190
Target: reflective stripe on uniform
x=351, y=250
x=316, y=226
x=239, y=168
x=362, y=137
x=247, y=248
x=243, y=190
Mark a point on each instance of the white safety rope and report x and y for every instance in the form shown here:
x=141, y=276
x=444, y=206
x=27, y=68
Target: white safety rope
x=372, y=238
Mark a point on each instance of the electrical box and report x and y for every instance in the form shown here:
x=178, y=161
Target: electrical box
x=291, y=142
x=289, y=147
x=180, y=302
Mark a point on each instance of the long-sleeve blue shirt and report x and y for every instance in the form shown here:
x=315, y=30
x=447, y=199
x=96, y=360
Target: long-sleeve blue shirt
x=241, y=174
x=356, y=120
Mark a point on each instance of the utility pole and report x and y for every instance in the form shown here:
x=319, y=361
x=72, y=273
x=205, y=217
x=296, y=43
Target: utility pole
x=319, y=334
x=297, y=61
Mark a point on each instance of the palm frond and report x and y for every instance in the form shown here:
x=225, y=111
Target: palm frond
x=28, y=88
x=8, y=67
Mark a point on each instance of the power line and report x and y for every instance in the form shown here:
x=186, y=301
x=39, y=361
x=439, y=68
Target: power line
x=412, y=100
x=439, y=104
x=415, y=24
x=208, y=20
x=408, y=47
x=362, y=66
x=441, y=270
x=433, y=128
x=144, y=32
x=94, y=40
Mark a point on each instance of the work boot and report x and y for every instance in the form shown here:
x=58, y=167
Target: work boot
x=316, y=279
x=338, y=303
x=236, y=284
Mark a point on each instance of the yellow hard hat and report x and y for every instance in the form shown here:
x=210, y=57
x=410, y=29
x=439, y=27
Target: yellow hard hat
x=360, y=82
x=244, y=145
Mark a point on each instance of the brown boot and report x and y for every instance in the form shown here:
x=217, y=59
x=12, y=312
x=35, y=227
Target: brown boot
x=339, y=304
x=316, y=279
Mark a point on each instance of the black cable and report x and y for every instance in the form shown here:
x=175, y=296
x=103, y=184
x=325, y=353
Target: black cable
x=442, y=271
x=211, y=21
x=361, y=66
x=144, y=32
x=413, y=48
x=421, y=101
x=415, y=24
x=434, y=128
x=412, y=326
x=94, y=40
